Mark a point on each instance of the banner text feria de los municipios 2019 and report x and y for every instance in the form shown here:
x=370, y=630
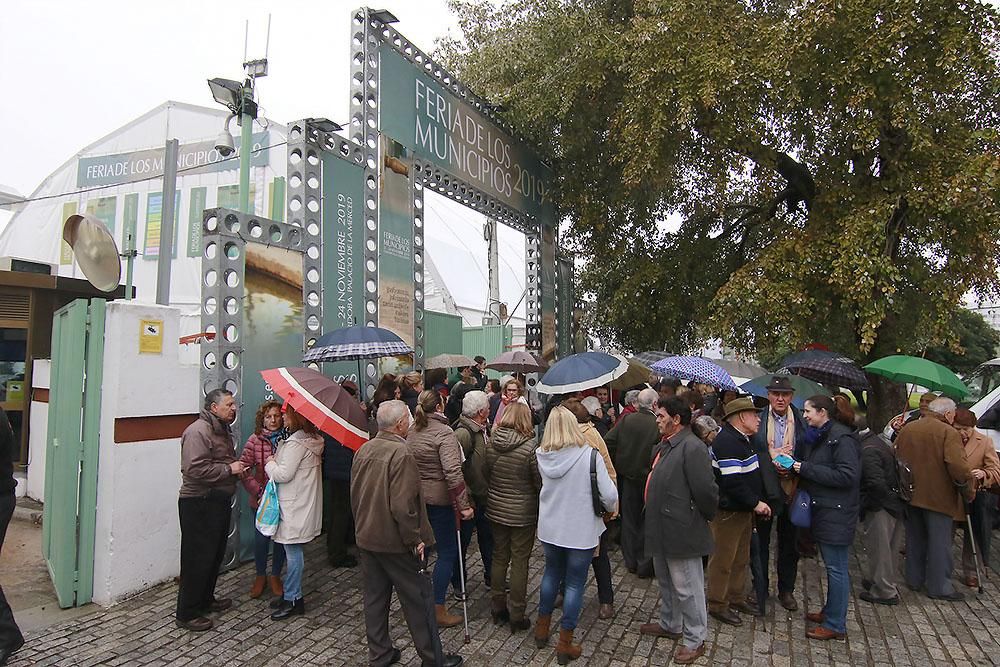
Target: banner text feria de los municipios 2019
x=436, y=125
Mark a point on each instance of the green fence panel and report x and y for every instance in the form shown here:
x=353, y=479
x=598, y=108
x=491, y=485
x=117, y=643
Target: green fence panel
x=489, y=341
x=443, y=334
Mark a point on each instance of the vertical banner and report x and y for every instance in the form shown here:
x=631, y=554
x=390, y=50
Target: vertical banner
x=154, y=219
x=564, y=320
x=277, y=194
x=343, y=252
x=130, y=220
x=65, y=252
x=547, y=287
x=395, y=247
x=103, y=209
x=228, y=196
x=199, y=196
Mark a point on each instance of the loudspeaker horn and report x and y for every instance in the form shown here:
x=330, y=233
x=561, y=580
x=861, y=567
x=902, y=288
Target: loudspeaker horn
x=95, y=250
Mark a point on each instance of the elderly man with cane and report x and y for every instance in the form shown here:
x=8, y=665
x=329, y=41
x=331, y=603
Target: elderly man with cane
x=393, y=534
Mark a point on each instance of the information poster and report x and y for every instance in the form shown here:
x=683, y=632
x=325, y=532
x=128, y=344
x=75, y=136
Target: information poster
x=195, y=210
x=103, y=209
x=154, y=220
x=548, y=285
x=343, y=253
x=130, y=220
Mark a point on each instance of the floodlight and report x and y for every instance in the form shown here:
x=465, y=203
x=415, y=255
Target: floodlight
x=226, y=92
x=383, y=15
x=325, y=125
x=256, y=68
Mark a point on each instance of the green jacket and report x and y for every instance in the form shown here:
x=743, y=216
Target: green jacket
x=511, y=471
x=631, y=444
x=470, y=435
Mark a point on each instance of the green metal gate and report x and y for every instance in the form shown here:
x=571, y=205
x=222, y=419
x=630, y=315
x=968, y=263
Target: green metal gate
x=71, y=452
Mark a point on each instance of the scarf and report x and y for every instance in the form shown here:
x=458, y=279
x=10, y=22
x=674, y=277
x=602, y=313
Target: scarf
x=787, y=445
x=814, y=435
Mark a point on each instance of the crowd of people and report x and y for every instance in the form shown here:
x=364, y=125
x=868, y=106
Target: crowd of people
x=689, y=480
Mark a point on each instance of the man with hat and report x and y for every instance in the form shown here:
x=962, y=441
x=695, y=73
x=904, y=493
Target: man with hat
x=741, y=496
x=782, y=431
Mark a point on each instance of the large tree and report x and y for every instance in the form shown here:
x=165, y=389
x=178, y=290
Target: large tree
x=768, y=172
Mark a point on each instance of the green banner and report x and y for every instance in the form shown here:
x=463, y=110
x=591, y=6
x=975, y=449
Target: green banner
x=103, y=209
x=430, y=120
x=130, y=220
x=548, y=289
x=228, y=196
x=395, y=248
x=343, y=253
x=195, y=210
x=154, y=219
x=564, y=329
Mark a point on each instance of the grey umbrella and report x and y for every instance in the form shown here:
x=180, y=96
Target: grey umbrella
x=449, y=361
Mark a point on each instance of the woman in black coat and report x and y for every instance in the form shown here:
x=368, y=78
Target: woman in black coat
x=830, y=472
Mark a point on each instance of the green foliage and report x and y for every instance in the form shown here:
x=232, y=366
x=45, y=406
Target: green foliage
x=833, y=163
x=977, y=342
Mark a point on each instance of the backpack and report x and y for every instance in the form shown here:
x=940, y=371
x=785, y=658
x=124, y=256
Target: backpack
x=905, y=476
x=453, y=408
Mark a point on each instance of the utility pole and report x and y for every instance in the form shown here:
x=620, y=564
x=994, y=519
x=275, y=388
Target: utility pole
x=166, y=225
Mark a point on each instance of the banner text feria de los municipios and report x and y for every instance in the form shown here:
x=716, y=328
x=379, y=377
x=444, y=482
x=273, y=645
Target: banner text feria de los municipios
x=436, y=125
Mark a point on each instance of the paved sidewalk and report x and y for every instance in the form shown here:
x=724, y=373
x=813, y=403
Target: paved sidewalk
x=142, y=631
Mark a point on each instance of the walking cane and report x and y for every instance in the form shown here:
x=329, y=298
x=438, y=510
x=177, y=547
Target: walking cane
x=461, y=572
x=975, y=554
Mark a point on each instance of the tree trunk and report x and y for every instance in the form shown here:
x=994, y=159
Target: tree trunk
x=886, y=399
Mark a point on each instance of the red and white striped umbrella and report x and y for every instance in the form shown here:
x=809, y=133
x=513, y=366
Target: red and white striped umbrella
x=323, y=402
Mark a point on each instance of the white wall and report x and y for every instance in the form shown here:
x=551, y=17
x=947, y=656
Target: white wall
x=38, y=433
x=138, y=535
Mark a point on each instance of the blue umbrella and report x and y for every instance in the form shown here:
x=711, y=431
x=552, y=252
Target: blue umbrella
x=578, y=372
x=698, y=369
x=357, y=342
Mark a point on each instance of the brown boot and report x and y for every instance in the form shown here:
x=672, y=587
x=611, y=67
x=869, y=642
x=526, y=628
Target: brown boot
x=444, y=619
x=258, y=586
x=566, y=650
x=499, y=611
x=542, y=630
x=277, y=590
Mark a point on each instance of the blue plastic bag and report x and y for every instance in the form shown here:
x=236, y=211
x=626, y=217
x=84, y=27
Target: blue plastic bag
x=268, y=512
x=800, y=511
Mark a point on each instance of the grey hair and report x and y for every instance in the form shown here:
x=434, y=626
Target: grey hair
x=592, y=404
x=631, y=397
x=942, y=405
x=704, y=425
x=648, y=398
x=473, y=402
x=215, y=397
x=389, y=413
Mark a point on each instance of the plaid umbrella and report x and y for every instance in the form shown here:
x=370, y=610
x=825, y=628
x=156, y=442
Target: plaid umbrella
x=357, y=342
x=814, y=355
x=650, y=357
x=323, y=402
x=698, y=369
x=840, y=372
x=517, y=361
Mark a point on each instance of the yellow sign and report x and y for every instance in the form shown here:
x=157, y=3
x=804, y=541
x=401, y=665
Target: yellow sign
x=151, y=337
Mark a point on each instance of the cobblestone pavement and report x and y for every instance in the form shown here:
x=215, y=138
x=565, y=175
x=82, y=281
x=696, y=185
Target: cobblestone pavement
x=141, y=631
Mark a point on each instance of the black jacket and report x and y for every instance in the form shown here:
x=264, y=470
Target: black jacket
x=337, y=460
x=831, y=473
x=879, y=477
x=737, y=471
x=631, y=442
x=8, y=450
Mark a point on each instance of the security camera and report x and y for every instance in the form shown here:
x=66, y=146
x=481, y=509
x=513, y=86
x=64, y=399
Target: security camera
x=224, y=144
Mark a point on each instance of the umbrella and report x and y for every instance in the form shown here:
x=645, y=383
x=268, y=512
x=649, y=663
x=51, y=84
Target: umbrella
x=322, y=401
x=357, y=342
x=698, y=369
x=637, y=373
x=926, y=373
x=804, y=388
x=758, y=568
x=830, y=371
x=578, y=372
x=517, y=361
x=650, y=357
x=449, y=361
x=739, y=369
x=814, y=355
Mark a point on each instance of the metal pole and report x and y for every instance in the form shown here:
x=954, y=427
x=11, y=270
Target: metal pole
x=166, y=223
x=129, y=261
x=246, y=147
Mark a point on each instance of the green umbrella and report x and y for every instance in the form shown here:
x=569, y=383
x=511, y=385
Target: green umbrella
x=924, y=372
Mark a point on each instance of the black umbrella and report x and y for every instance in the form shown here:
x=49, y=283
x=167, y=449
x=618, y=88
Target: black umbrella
x=826, y=367
x=758, y=567
x=650, y=357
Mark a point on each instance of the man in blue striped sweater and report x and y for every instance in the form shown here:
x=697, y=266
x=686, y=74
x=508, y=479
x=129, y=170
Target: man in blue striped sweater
x=741, y=495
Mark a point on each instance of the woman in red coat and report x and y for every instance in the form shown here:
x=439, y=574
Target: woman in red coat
x=260, y=446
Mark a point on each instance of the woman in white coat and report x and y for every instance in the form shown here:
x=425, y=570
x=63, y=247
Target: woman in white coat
x=296, y=469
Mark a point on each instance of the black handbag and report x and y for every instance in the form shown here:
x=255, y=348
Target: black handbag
x=595, y=493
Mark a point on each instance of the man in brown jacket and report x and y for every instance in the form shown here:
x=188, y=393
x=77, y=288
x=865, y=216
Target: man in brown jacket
x=933, y=451
x=392, y=533
x=209, y=471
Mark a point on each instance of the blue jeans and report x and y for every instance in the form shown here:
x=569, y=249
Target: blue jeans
x=571, y=566
x=260, y=548
x=838, y=586
x=442, y=520
x=292, y=580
